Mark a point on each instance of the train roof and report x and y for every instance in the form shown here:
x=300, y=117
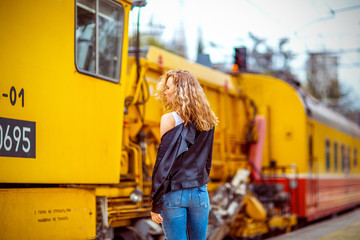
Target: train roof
x=320, y=112
x=165, y=60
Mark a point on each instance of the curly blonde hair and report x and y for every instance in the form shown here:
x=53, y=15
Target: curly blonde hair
x=189, y=101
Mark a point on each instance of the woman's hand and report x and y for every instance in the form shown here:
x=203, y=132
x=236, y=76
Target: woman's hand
x=156, y=217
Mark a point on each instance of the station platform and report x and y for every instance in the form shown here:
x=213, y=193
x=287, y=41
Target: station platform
x=343, y=227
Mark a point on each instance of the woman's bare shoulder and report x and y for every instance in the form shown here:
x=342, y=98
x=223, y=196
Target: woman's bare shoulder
x=167, y=122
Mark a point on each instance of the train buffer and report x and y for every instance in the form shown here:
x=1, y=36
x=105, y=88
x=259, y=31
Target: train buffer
x=342, y=227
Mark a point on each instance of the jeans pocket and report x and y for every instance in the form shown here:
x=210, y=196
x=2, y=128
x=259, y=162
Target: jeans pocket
x=203, y=196
x=172, y=198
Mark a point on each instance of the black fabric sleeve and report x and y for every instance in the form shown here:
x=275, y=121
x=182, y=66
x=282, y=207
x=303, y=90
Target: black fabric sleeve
x=156, y=205
x=209, y=158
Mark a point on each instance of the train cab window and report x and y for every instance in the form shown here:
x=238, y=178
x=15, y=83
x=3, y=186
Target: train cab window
x=327, y=154
x=99, y=36
x=335, y=156
x=355, y=158
x=310, y=146
x=345, y=158
x=342, y=157
x=348, y=160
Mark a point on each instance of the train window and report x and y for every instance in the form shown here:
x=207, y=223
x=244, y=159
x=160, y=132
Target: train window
x=335, y=156
x=355, y=158
x=310, y=142
x=347, y=163
x=99, y=33
x=327, y=154
x=342, y=157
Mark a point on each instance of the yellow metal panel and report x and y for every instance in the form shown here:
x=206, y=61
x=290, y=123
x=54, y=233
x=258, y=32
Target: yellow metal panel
x=78, y=118
x=245, y=227
x=47, y=214
x=254, y=207
x=282, y=222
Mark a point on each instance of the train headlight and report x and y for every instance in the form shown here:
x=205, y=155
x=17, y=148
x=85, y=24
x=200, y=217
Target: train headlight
x=136, y=195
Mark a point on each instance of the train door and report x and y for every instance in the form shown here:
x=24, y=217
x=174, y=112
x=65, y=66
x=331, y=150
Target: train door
x=312, y=189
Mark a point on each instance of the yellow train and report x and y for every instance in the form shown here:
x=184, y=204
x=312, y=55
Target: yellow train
x=79, y=131
x=310, y=149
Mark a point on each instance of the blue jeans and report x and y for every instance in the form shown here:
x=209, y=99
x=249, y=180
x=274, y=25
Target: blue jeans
x=185, y=213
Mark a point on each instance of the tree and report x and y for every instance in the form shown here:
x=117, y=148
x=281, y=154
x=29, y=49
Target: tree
x=323, y=84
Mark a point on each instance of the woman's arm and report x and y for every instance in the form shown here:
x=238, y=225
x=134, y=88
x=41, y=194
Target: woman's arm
x=167, y=122
x=156, y=217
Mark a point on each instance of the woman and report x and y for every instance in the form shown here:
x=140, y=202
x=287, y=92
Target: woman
x=179, y=196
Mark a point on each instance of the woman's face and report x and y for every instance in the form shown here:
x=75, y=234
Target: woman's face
x=169, y=90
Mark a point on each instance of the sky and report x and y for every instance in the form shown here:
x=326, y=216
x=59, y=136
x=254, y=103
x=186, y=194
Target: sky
x=310, y=25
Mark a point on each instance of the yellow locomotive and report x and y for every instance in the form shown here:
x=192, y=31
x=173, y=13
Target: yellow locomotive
x=79, y=131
